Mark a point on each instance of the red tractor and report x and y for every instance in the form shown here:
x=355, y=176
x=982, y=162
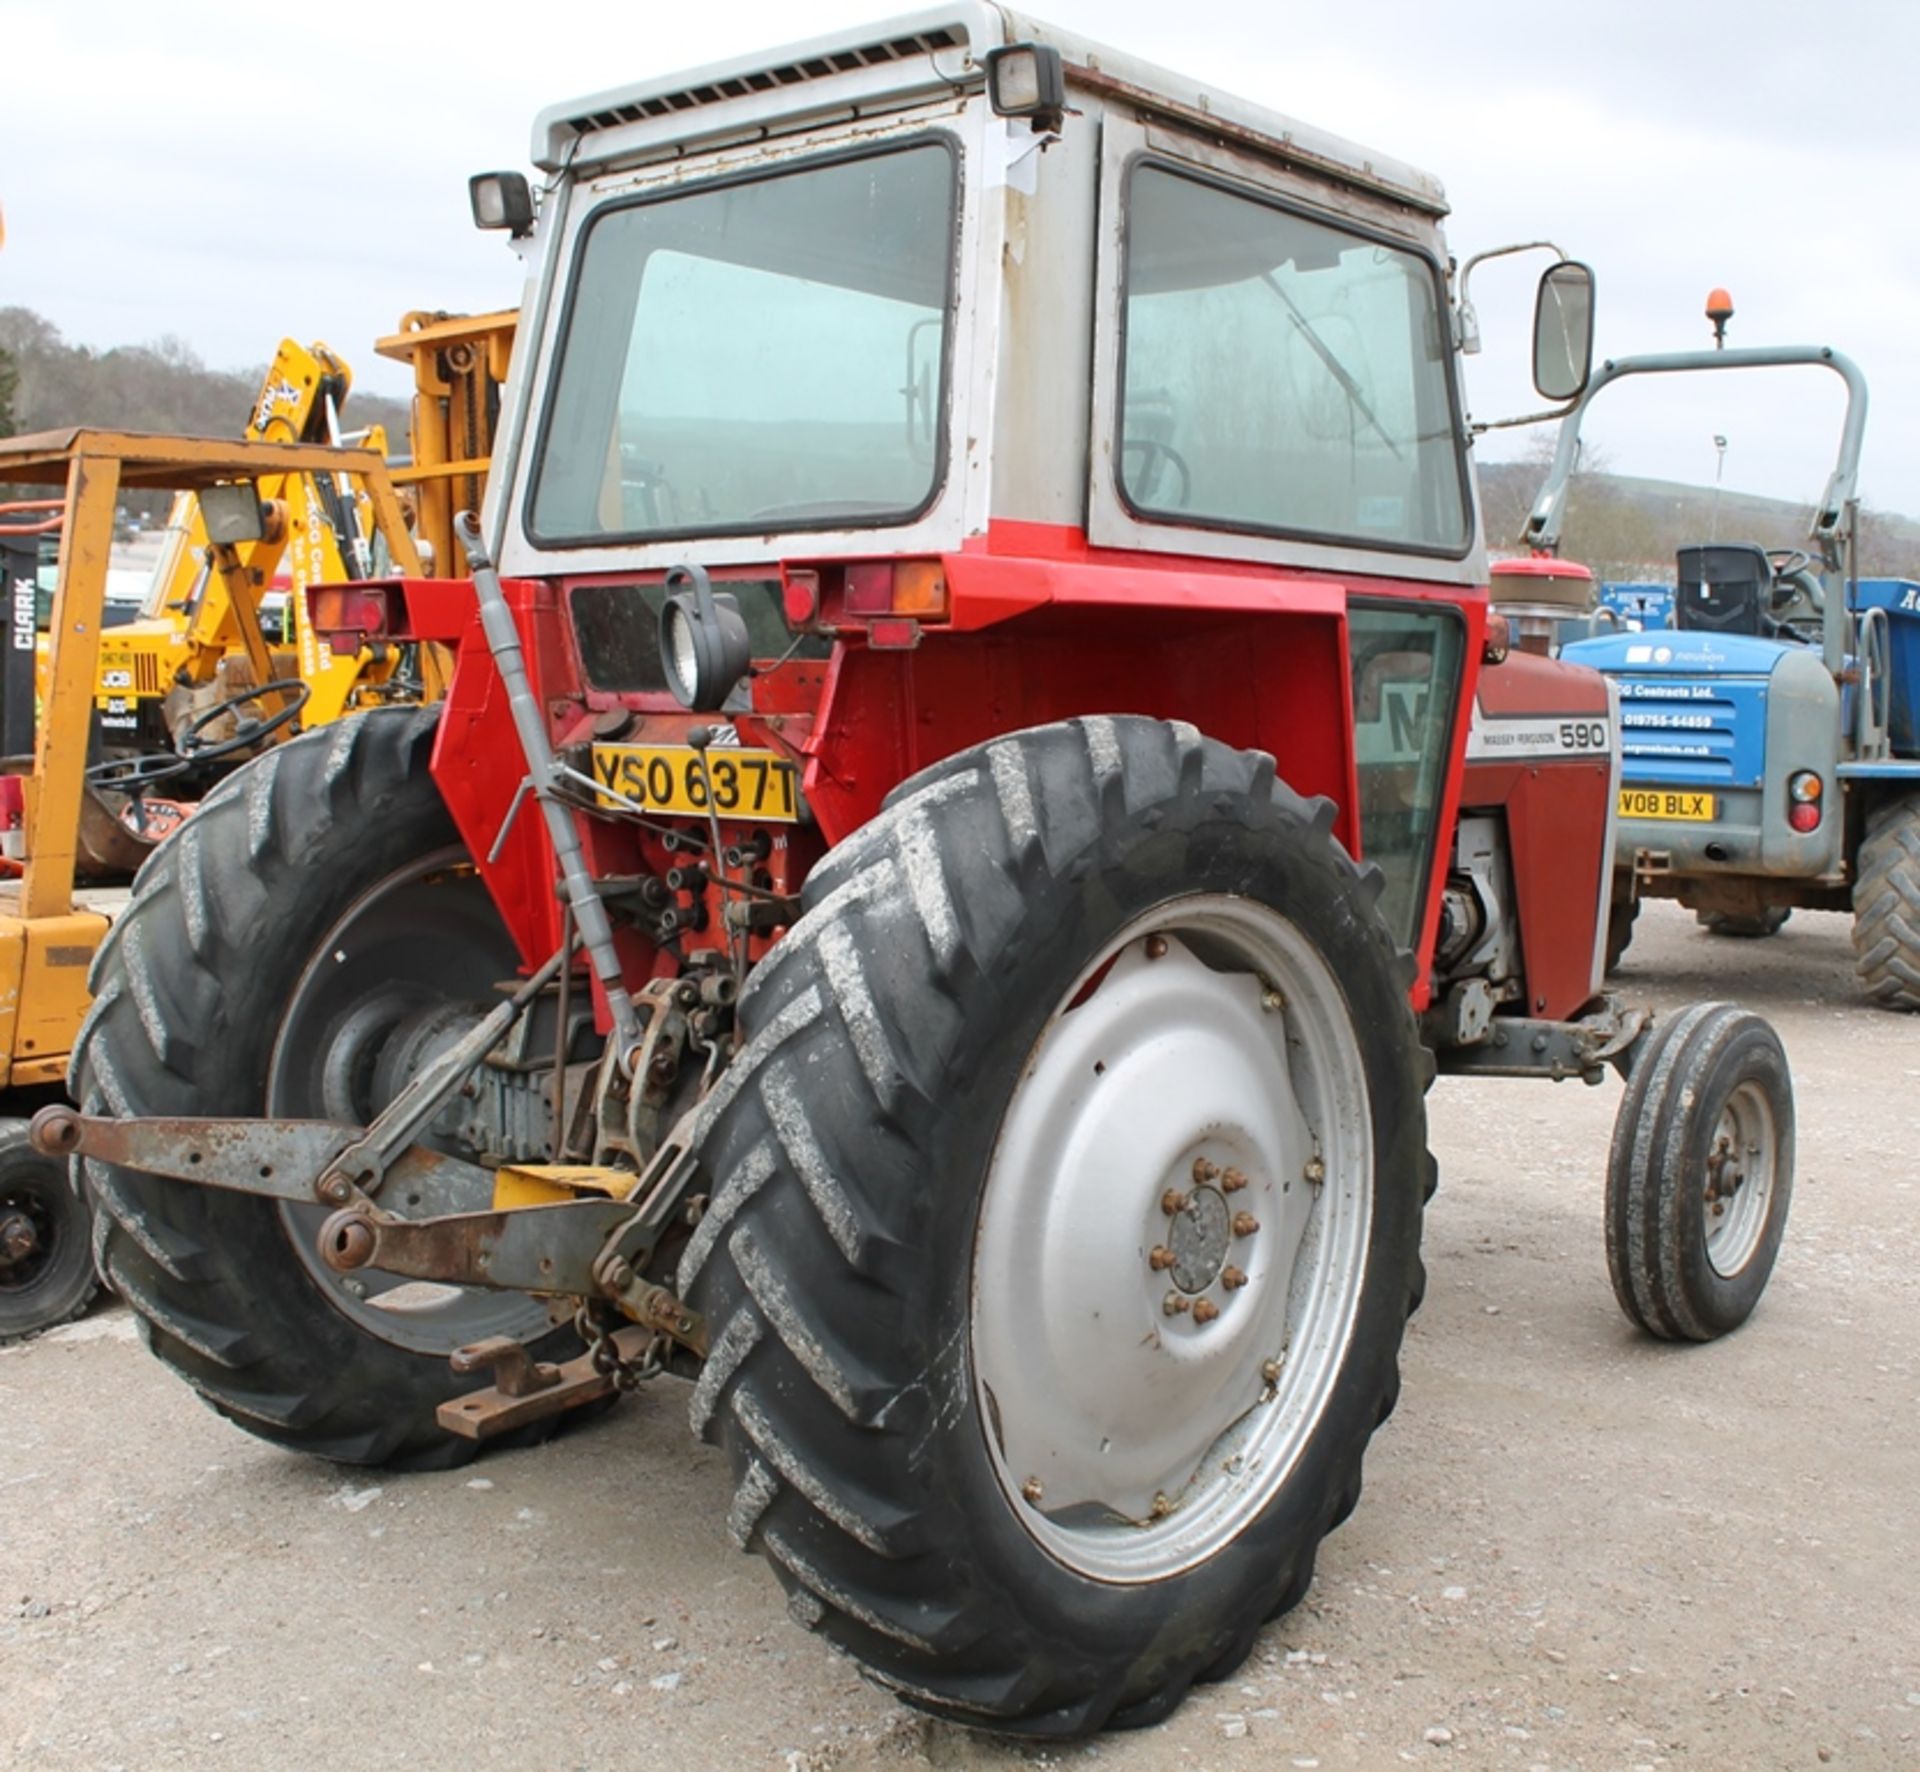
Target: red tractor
x=978, y=786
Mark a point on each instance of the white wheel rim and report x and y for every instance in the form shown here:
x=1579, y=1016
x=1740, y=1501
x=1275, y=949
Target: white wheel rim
x=1133, y=1442
x=1741, y=1165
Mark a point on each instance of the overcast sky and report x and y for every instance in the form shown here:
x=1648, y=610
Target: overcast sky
x=229, y=172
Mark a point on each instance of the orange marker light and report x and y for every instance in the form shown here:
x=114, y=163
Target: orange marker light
x=920, y=588
x=1719, y=311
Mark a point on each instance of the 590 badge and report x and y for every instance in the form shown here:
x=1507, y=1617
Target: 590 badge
x=670, y=778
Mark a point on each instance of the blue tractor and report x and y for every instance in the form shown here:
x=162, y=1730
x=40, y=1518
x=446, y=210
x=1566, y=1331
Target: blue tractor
x=1771, y=734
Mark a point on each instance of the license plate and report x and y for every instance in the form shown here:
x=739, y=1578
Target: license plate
x=1681, y=803
x=759, y=785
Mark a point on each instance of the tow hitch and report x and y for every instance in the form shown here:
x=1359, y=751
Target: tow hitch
x=555, y=1231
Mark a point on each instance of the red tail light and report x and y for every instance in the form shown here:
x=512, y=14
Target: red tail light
x=1804, y=790
x=348, y=616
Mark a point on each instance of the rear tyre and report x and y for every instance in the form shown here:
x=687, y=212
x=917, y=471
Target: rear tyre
x=308, y=938
x=1700, y=1174
x=1745, y=928
x=1093, y=1027
x=1886, y=905
x=46, y=1259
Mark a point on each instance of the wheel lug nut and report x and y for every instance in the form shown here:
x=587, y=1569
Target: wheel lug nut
x=1176, y=1304
x=1156, y=947
x=1270, y=1371
x=1232, y=1181
x=1033, y=1490
x=1232, y=1278
x=1160, y=1258
x=1245, y=1224
x=1173, y=1202
x=1161, y=1505
x=1316, y=1171
x=1271, y=1002
x=1205, y=1310
x=1203, y=1171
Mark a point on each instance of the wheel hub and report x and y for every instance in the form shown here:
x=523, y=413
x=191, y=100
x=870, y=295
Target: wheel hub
x=18, y=1238
x=1739, y=1183
x=395, y=982
x=1154, y=1249
x=26, y=1239
x=1199, y=1235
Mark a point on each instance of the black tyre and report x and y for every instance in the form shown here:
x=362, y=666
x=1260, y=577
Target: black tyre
x=1745, y=928
x=1700, y=1174
x=299, y=947
x=46, y=1255
x=1067, y=1224
x=1886, y=905
x=1622, y=914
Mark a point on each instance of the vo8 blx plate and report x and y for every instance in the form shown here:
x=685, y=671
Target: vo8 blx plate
x=760, y=785
x=1689, y=804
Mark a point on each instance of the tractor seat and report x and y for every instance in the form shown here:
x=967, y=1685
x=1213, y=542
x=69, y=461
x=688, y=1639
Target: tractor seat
x=1723, y=589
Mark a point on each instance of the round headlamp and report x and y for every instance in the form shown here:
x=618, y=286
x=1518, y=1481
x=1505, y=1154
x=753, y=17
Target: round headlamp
x=704, y=647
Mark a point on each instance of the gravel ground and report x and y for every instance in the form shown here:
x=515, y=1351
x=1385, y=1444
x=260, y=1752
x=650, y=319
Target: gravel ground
x=1577, y=1549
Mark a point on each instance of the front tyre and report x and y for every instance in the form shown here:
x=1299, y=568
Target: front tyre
x=1065, y=1224
x=1700, y=1173
x=309, y=939
x=1755, y=927
x=46, y=1259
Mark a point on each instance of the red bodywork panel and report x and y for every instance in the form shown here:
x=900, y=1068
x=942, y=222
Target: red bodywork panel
x=1040, y=628
x=1554, y=787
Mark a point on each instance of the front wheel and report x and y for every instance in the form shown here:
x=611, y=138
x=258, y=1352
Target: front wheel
x=1066, y=1224
x=46, y=1259
x=1700, y=1173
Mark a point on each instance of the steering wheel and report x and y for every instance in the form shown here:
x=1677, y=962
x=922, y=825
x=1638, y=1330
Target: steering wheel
x=194, y=751
x=1796, y=598
x=1157, y=455
x=134, y=775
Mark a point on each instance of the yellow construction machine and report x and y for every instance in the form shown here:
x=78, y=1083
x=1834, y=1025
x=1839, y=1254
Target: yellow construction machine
x=50, y=923
x=221, y=663
x=170, y=680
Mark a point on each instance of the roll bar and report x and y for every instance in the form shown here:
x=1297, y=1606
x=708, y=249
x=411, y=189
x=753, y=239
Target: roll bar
x=1542, y=533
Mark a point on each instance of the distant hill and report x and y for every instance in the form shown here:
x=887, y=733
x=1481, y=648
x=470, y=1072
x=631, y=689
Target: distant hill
x=47, y=384
x=1626, y=528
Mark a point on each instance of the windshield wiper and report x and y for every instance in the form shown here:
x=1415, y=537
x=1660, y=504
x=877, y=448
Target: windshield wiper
x=1335, y=367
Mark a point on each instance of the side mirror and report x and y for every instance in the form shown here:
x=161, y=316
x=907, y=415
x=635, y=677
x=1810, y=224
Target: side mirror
x=1563, y=331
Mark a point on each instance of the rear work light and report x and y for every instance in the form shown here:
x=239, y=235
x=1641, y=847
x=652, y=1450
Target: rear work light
x=1804, y=789
x=348, y=616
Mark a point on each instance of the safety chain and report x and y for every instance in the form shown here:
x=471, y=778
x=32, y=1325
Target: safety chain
x=627, y=1375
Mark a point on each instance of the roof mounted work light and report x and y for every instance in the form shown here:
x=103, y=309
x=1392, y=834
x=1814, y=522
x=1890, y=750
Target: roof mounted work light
x=501, y=200
x=1027, y=80
x=704, y=647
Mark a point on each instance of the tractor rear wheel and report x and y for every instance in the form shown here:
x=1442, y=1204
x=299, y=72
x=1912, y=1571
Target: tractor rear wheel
x=1756, y=927
x=1065, y=1224
x=1886, y=905
x=46, y=1255
x=1700, y=1173
x=300, y=947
